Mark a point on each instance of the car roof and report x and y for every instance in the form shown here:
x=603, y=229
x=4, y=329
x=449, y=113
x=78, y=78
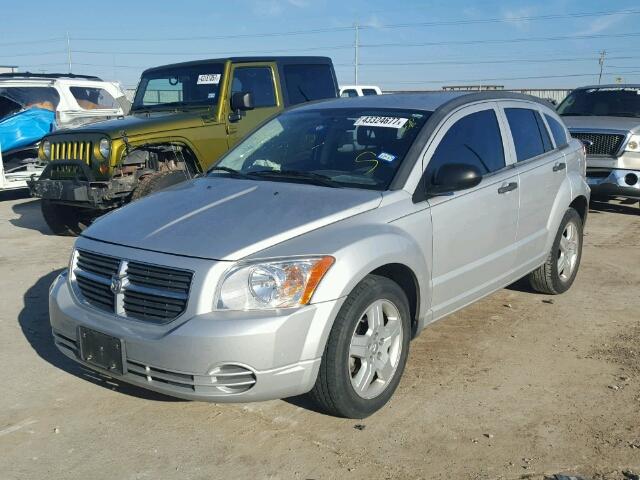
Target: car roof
x=46, y=76
x=277, y=59
x=428, y=101
x=610, y=85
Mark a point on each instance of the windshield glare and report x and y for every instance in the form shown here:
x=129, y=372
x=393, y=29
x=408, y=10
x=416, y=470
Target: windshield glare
x=607, y=101
x=350, y=147
x=191, y=85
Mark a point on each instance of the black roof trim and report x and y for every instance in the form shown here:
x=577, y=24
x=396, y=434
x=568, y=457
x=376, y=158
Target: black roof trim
x=283, y=60
x=48, y=75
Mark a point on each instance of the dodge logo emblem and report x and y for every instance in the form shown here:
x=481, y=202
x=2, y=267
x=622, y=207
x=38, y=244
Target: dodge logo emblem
x=116, y=284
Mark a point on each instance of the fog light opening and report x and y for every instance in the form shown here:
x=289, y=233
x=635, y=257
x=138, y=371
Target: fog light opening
x=631, y=179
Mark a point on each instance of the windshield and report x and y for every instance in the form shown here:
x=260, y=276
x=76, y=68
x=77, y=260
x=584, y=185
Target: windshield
x=347, y=147
x=16, y=99
x=606, y=101
x=179, y=86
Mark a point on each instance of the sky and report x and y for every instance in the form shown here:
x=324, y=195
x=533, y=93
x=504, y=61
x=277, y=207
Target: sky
x=403, y=45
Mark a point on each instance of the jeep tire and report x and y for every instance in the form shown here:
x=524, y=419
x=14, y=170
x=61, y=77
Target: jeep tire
x=158, y=181
x=65, y=220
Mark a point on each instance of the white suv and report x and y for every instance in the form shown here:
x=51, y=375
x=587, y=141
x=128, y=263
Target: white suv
x=32, y=105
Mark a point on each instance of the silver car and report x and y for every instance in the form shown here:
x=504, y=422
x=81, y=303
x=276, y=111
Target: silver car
x=315, y=250
x=607, y=119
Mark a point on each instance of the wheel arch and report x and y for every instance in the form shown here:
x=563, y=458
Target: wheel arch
x=581, y=205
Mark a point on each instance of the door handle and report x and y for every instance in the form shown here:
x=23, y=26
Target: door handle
x=559, y=166
x=507, y=187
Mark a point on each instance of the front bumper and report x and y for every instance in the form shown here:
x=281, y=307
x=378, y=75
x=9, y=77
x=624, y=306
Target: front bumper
x=617, y=182
x=82, y=190
x=280, y=350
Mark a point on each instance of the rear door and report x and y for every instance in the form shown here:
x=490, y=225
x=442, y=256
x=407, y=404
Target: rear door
x=474, y=231
x=260, y=79
x=541, y=168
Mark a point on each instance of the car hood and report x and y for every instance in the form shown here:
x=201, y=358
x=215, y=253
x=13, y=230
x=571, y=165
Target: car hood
x=605, y=123
x=145, y=123
x=228, y=219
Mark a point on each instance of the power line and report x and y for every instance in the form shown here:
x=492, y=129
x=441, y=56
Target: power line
x=497, y=79
x=500, y=41
x=224, y=53
x=483, y=62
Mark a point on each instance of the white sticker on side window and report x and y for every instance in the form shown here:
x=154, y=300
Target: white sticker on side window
x=374, y=121
x=209, y=79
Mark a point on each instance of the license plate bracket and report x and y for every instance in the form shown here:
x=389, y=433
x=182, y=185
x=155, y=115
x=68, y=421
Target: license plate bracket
x=101, y=350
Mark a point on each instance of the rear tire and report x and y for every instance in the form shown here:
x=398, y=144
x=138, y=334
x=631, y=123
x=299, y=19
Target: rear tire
x=557, y=274
x=65, y=220
x=362, y=364
x=158, y=181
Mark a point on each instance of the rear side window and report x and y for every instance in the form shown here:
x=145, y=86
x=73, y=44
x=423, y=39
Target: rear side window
x=309, y=82
x=526, y=133
x=349, y=92
x=258, y=81
x=90, y=98
x=544, y=133
x=472, y=140
x=558, y=131
x=369, y=91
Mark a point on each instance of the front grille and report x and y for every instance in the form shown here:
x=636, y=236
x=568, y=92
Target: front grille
x=71, y=151
x=601, y=143
x=131, y=289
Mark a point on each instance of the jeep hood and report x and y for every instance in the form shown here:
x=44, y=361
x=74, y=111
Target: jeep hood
x=146, y=123
x=228, y=219
x=627, y=124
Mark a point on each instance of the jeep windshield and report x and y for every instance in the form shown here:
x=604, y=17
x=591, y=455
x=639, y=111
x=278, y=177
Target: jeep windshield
x=605, y=101
x=360, y=148
x=193, y=85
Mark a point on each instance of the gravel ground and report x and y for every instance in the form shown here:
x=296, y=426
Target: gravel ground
x=518, y=385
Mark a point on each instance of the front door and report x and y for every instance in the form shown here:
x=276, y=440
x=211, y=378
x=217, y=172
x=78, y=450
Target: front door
x=260, y=80
x=474, y=231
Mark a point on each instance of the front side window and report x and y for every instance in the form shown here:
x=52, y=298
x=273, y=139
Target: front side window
x=305, y=83
x=360, y=148
x=349, y=92
x=179, y=86
x=91, y=98
x=526, y=132
x=258, y=81
x=558, y=131
x=473, y=140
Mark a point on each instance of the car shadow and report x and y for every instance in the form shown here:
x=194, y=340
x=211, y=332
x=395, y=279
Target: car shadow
x=30, y=217
x=14, y=194
x=625, y=207
x=34, y=322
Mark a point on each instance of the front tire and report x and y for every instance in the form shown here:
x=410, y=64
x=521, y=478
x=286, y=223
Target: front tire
x=557, y=274
x=158, y=181
x=366, y=351
x=65, y=220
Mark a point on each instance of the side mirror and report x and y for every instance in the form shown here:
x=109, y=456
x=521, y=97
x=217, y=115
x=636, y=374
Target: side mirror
x=453, y=177
x=241, y=101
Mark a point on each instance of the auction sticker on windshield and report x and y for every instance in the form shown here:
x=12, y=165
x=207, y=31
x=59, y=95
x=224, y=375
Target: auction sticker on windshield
x=372, y=121
x=209, y=79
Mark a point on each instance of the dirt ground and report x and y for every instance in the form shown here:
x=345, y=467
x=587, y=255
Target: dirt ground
x=518, y=385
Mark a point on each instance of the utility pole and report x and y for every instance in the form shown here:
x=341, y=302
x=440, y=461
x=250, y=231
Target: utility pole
x=356, y=47
x=603, y=54
x=69, y=51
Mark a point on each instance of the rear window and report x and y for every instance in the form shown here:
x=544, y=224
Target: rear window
x=526, y=133
x=90, y=98
x=558, y=131
x=309, y=82
x=15, y=99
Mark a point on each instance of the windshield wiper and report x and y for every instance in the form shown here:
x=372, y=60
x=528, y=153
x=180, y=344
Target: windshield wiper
x=230, y=171
x=310, y=177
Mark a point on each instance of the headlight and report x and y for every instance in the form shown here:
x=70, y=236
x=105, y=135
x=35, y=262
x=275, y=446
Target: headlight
x=105, y=147
x=46, y=149
x=275, y=284
x=633, y=145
